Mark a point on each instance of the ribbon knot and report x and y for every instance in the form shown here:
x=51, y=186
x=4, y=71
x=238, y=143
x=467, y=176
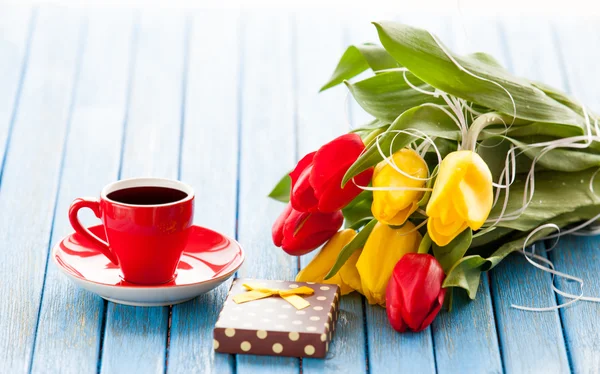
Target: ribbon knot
x=292, y=295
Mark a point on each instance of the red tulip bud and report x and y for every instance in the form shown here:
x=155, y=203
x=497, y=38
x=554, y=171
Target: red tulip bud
x=317, y=178
x=414, y=294
x=298, y=233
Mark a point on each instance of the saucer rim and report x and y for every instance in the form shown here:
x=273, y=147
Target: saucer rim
x=149, y=287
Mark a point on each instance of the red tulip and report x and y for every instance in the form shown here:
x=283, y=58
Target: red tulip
x=414, y=294
x=298, y=233
x=317, y=178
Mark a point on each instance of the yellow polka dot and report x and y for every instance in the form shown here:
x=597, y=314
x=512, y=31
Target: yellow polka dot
x=277, y=348
x=215, y=344
x=262, y=334
x=323, y=337
x=294, y=336
x=329, y=315
x=324, y=288
x=321, y=298
x=326, y=325
x=315, y=318
x=293, y=286
x=333, y=306
x=309, y=350
x=297, y=322
x=300, y=312
x=245, y=346
x=318, y=308
x=311, y=328
x=230, y=332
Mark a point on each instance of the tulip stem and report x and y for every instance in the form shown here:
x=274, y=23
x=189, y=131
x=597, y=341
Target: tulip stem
x=425, y=244
x=478, y=125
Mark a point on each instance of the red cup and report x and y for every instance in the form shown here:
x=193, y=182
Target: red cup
x=145, y=241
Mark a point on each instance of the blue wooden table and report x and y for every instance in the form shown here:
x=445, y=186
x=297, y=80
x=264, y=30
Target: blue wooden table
x=227, y=102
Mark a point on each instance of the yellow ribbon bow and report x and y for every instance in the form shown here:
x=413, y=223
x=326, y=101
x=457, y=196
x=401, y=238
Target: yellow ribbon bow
x=291, y=296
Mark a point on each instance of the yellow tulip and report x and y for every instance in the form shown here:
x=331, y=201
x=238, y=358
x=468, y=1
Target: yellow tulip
x=320, y=265
x=462, y=196
x=395, y=206
x=384, y=247
x=349, y=272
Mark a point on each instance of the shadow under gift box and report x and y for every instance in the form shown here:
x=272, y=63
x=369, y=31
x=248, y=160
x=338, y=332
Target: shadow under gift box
x=272, y=326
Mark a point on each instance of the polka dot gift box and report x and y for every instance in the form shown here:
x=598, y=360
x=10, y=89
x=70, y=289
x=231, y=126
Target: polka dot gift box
x=277, y=318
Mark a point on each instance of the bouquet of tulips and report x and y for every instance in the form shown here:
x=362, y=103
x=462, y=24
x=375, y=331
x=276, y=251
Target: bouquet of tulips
x=462, y=164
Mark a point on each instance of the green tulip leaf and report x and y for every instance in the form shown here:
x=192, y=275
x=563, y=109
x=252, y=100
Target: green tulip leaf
x=281, y=191
x=430, y=120
x=359, y=58
x=358, y=210
x=555, y=194
x=485, y=83
x=465, y=274
x=568, y=160
x=387, y=95
x=357, y=243
x=451, y=253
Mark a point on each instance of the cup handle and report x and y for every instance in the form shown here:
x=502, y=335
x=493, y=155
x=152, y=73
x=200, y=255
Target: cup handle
x=94, y=205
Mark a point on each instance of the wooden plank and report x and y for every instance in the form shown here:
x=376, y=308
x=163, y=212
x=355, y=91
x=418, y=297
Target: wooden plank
x=530, y=341
x=69, y=329
x=16, y=26
x=579, y=256
x=32, y=169
x=321, y=118
x=267, y=144
x=388, y=349
x=209, y=164
x=470, y=323
x=136, y=338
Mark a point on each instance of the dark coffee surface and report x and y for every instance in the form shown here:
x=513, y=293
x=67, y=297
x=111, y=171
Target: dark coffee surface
x=147, y=195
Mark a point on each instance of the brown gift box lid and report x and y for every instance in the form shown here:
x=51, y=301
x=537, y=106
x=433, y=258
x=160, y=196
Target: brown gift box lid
x=272, y=326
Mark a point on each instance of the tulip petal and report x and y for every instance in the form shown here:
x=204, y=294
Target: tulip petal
x=384, y=247
x=451, y=172
x=439, y=239
x=476, y=188
x=331, y=162
x=395, y=206
x=277, y=231
x=303, y=231
x=416, y=289
x=349, y=272
x=303, y=196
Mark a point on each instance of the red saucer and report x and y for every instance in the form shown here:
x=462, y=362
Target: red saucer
x=208, y=260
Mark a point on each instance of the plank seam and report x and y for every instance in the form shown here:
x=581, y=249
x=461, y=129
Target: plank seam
x=494, y=313
x=13, y=116
x=432, y=336
x=132, y=61
x=240, y=78
x=75, y=84
x=294, y=78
